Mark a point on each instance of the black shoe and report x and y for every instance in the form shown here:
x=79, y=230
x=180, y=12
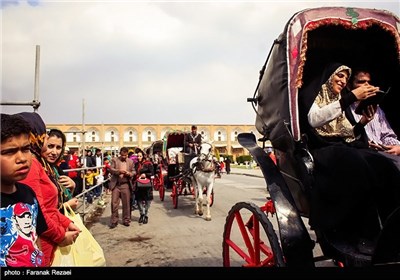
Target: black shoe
x=113, y=226
x=145, y=220
x=141, y=219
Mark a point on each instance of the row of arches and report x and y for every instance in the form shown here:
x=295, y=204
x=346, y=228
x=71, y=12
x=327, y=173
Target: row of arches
x=148, y=134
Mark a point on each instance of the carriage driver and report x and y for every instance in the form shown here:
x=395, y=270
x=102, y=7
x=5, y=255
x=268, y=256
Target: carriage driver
x=193, y=141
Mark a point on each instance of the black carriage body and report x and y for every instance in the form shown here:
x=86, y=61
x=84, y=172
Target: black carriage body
x=311, y=39
x=155, y=148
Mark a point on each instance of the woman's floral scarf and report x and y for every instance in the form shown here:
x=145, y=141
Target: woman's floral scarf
x=339, y=127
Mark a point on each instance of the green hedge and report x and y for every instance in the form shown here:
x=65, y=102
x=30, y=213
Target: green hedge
x=243, y=159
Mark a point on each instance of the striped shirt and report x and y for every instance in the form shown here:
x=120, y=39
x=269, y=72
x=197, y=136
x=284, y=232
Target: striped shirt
x=378, y=129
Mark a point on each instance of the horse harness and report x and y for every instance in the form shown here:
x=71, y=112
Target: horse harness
x=200, y=165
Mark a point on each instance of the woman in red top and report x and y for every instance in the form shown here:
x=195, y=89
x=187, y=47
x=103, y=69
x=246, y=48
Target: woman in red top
x=41, y=178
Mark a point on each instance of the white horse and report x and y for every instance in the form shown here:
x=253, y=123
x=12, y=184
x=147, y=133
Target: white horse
x=203, y=175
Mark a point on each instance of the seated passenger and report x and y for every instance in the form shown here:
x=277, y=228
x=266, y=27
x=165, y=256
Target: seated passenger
x=173, y=165
x=351, y=182
x=381, y=136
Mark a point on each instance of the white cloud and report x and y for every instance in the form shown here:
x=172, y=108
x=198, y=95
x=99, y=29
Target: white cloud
x=146, y=61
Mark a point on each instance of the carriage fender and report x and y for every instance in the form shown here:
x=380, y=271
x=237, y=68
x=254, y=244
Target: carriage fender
x=296, y=243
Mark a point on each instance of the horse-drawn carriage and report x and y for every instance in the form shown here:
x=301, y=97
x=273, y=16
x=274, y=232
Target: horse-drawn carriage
x=181, y=178
x=178, y=164
x=275, y=234
x=160, y=173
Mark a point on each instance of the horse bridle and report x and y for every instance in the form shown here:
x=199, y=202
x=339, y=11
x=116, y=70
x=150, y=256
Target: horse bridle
x=204, y=158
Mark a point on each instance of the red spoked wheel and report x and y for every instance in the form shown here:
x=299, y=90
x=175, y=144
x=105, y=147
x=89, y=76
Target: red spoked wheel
x=161, y=188
x=161, y=193
x=156, y=183
x=192, y=191
x=174, y=194
x=249, y=239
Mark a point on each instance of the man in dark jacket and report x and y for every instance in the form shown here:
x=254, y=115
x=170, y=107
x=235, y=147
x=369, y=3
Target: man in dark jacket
x=193, y=141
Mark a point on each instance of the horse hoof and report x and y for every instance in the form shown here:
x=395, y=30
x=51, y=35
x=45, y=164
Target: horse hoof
x=208, y=218
x=200, y=213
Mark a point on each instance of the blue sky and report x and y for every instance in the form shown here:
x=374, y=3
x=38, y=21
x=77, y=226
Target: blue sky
x=173, y=62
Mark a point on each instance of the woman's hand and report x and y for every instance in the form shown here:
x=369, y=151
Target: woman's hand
x=67, y=182
x=69, y=238
x=73, y=227
x=365, y=91
x=73, y=203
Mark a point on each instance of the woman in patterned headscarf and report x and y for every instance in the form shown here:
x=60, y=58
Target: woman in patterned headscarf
x=54, y=155
x=328, y=99
x=350, y=180
x=41, y=178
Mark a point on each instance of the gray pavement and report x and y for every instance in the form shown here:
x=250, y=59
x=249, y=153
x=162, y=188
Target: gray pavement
x=255, y=172
x=94, y=209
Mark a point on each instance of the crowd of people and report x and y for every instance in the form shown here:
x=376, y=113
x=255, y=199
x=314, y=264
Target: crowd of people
x=34, y=186
x=39, y=175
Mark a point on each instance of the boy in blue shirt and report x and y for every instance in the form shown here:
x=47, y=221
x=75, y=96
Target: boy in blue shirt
x=21, y=219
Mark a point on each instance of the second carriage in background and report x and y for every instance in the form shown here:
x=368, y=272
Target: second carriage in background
x=177, y=165
x=155, y=153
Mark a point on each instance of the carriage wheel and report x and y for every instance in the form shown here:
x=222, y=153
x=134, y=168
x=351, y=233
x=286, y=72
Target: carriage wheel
x=156, y=183
x=191, y=187
x=161, y=192
x=174, y=195
x=161, y=187
x=212, y=198
x=246, y=243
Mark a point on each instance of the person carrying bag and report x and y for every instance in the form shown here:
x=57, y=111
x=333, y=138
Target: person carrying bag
x=143, y=183
x=85, y=251
x=143, y=186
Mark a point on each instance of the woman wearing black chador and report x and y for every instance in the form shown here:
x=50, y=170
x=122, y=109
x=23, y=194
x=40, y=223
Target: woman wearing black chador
x=144, y=195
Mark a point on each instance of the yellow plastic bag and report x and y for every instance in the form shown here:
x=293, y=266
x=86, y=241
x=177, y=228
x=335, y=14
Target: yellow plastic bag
x=85, y=251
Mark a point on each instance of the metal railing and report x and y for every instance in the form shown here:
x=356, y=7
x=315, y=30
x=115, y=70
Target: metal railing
x=84, y=190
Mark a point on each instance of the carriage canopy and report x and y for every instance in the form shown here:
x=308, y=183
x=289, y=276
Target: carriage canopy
x=311, y=39
x=156, y=147
x=173, y=139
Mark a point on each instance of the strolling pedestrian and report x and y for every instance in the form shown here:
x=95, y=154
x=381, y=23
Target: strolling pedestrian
x=122, y=171
x=144, y=195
